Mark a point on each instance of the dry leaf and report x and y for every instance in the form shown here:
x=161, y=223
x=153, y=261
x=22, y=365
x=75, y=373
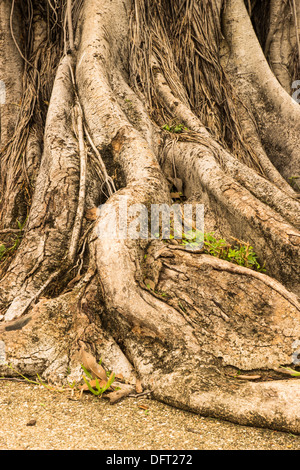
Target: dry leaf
x=143, y=407
x=91, y=364
x=91, y=214
x=176, y=195
x=143, y=331
x=93, y=384
x=150, y=284
x=178, y=184
x=120, y=377
x=138, y=386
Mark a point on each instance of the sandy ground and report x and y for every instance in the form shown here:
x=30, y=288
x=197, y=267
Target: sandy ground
x=34, y=418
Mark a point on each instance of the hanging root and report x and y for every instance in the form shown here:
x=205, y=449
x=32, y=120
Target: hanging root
x=44, y=48
x=37, y=263
x=82, y=185
x=188, y=49
x=41, y=252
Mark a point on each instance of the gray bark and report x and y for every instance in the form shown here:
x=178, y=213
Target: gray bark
x=187, y=325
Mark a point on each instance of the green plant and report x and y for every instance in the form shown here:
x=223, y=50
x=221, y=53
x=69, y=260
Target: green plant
x=175, y=128
x=295, y=182
x=241, y=254
x=5, y=249
x=294, y=373
x=2, y=250
x=90, y=382
x=162, y=294
x=182, y=307
x=100, y=390
x=216, y=247
x=36, y=382
x=193, y=239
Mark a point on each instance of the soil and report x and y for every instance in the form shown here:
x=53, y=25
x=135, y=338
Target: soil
x=34, y=418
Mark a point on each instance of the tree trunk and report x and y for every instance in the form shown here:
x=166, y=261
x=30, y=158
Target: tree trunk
x=125, y=103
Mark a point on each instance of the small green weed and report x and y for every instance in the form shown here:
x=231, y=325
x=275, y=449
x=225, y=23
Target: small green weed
x=93, y=385
x=99, y=390
x=7, y=249
x=39, y=381
x=295, y=182
x=294, y=373
x=175, y=128
x=193, y=239
x=242, y=253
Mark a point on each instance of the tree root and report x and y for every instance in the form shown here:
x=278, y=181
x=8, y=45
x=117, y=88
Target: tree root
x=276, y=113
x=204, y=320
x=214, y=168
x=47, y=341
x=51, y=217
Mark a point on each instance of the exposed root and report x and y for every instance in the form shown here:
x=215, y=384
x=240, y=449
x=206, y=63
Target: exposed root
x=249, y=219
x=201, y=320
x=182, y=112
x=82, y=185
x=49, y=338
x=282, y=48
x=277, y=114
x=288, y=207
x=271, y=404
x=40, y=253
x=224, y=266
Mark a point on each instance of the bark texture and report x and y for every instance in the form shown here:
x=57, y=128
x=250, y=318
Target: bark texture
x=200, y=332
